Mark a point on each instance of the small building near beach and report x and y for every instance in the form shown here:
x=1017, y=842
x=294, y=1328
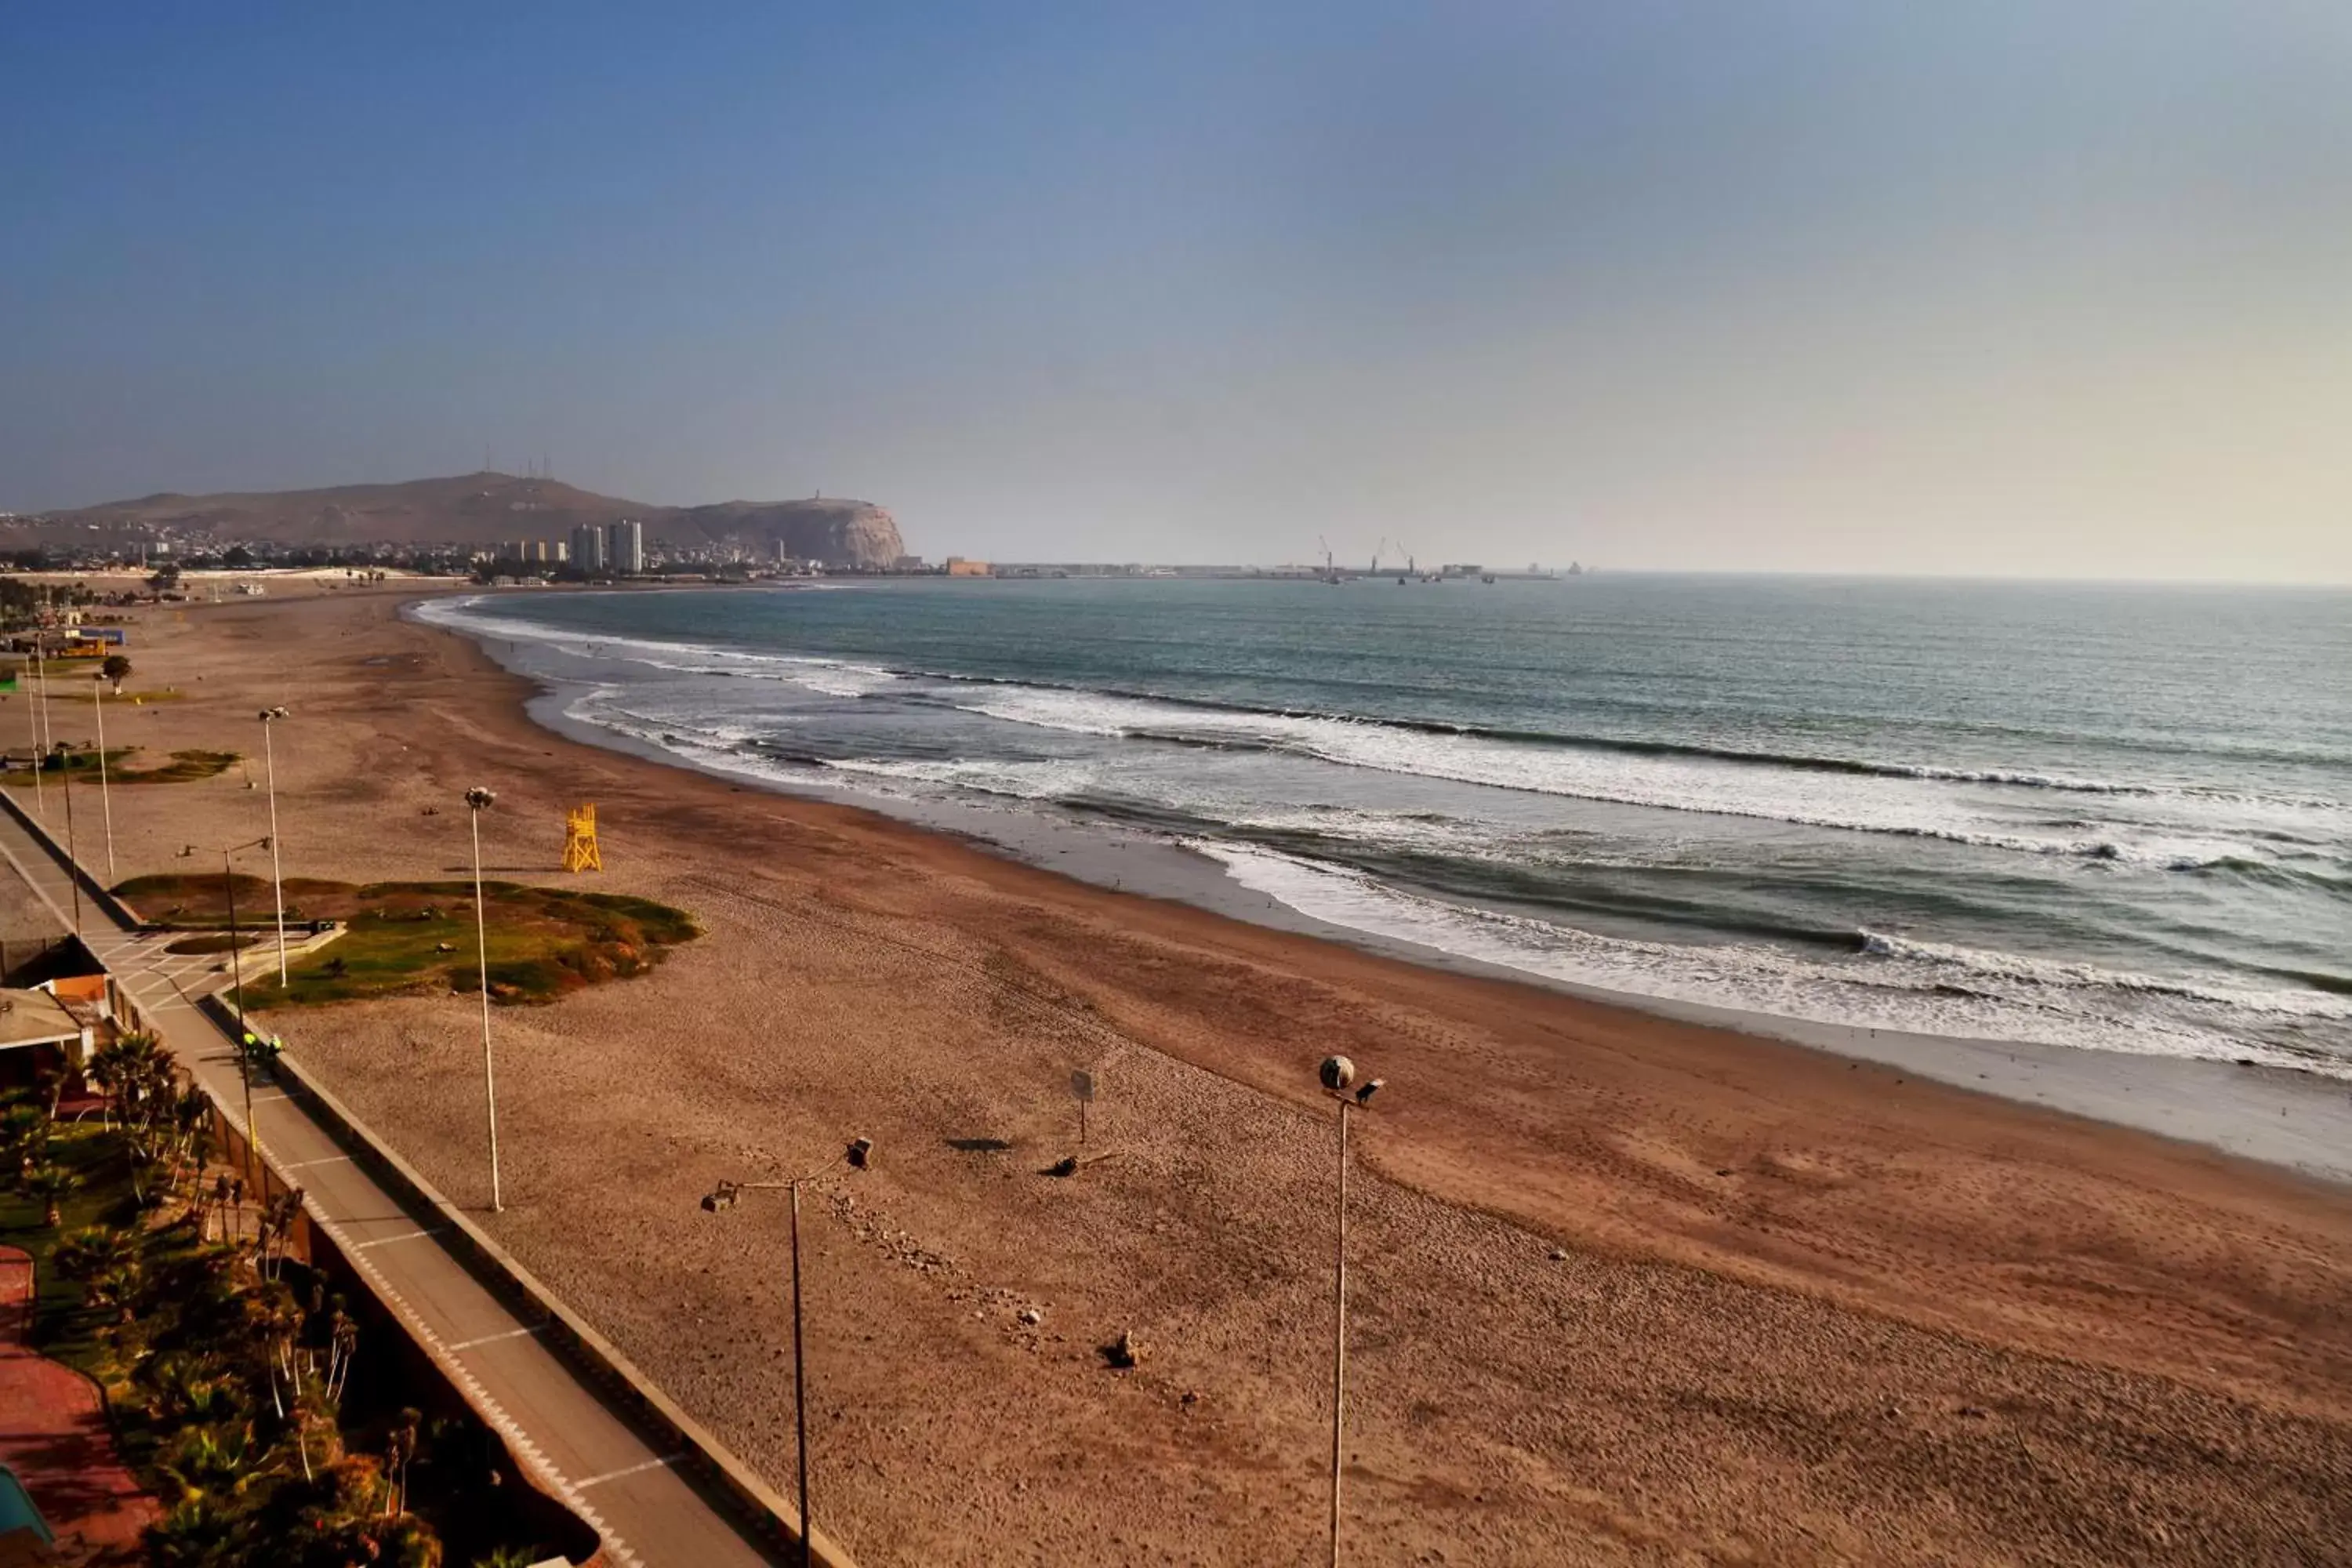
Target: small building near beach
x=37, y=1022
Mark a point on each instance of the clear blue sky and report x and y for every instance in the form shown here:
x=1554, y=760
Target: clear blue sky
x=2017, y=287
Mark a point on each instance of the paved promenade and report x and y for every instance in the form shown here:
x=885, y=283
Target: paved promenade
x=586, y=1452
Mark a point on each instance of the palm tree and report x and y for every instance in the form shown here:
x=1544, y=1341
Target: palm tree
x=194, y=1534
x=52, y=1184
x=342, y=1344
x=400, y=1449
x=275, y=1233
x=274, y=1320
x=192, y=1150
x=217, y=1462
x=23, y=1131
x=190, y=1389
x=135, y=1072
x=101, y=1071
x=105, y=1264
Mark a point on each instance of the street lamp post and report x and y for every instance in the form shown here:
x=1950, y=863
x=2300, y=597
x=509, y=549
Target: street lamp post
x=35, y=701
x=73, y=850
x=237, y=988
x=478, y=800
x=105, y=800
x=857, y=1156
x=1339, y=1076
x=277, y=882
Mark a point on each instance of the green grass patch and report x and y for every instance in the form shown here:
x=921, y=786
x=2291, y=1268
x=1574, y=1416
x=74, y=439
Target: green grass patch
x=405, y=938
x=184, y=767
x=200, y=902
x=196, y=1354
x=80, y=765
x=63, y=1326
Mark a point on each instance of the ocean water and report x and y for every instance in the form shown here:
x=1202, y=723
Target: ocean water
x=2109, y=817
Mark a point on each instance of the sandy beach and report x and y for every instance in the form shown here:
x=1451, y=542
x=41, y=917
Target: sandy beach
x=1625, y=1287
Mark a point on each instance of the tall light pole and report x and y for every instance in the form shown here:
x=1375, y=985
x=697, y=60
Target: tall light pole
x=477, y=801
x=277, y=882
x=1339, y=1076
x=73, y=852
x=236, y=985
x=106, y=800
x=34, y=702
x=857, y=1156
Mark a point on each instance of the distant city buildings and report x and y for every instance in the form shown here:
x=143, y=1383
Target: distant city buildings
x=599, y=550
x=618, y=547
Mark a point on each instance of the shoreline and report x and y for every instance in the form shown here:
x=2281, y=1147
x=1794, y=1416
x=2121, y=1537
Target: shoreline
x=1623, y=1288
x=2298, y=1120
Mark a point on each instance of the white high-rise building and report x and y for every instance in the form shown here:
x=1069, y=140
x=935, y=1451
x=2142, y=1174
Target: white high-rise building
x=588, y=547
x=625, y=546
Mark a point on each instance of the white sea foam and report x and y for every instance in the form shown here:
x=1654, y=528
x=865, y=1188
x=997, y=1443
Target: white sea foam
x=1893, y=984
x=830, y=677
x=2015, y=970
x=1042, y=780
x=1918, y=806
x=1891, y=981
x=2141, y=825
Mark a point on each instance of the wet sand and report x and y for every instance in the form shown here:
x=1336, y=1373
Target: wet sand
x=1626, y=1287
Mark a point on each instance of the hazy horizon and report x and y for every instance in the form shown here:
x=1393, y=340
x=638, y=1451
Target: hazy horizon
x=1790, y=287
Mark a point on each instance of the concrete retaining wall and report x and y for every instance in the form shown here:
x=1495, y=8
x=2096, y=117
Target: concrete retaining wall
x=714, y=1466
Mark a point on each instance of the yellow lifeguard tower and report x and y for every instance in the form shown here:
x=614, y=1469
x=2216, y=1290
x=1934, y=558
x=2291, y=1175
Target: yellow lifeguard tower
x=580, y=852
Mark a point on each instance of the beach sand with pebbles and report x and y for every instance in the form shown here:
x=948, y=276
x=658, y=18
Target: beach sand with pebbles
x=1625, y=1287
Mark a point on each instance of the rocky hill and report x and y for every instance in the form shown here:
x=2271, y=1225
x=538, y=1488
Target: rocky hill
x=471, y=510
x=837, y=532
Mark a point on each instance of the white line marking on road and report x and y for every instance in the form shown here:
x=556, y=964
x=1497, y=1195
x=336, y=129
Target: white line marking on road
x=403, y=1235
x=324, y=1159
x=493, y=1339
x=518, y=1441
x=627, y=1470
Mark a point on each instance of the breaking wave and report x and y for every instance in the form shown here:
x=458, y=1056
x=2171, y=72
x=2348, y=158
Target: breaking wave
x=1891, y=983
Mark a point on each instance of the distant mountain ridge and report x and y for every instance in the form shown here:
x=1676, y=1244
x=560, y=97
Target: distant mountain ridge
x=481, y=509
